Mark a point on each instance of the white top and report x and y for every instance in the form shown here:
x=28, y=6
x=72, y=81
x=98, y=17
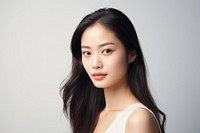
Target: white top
x=119, y=123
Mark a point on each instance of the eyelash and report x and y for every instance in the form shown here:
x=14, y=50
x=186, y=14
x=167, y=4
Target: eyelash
x=105, y=52
x=86, y=53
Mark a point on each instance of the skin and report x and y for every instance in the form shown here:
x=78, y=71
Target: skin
x=103, y=52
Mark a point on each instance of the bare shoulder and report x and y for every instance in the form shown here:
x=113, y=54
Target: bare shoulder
x=141, y=121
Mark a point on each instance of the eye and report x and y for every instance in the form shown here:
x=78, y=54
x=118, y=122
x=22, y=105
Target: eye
x=107, y=51
x=86, y=53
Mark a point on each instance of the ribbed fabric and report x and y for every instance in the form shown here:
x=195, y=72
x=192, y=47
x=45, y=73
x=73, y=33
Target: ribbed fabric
x=119, y=124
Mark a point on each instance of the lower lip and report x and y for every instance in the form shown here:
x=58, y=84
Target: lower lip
x=99, y=77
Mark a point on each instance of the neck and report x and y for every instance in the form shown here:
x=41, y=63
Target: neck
x=118, y=98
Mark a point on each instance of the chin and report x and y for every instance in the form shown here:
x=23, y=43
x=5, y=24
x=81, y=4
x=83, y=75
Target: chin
x=100, y=85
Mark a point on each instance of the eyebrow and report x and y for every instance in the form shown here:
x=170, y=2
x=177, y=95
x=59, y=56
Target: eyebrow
x=101, y=45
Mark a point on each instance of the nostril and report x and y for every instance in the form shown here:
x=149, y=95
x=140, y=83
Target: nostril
x=96, y=62
x=96, y=67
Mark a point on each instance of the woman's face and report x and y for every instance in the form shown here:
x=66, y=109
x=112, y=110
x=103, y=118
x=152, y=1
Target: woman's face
x=104, y=57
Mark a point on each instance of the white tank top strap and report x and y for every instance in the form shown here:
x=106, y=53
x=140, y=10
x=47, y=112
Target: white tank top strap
x=119, y=124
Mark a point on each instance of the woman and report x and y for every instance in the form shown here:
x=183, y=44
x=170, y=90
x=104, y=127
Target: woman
x=107, y=90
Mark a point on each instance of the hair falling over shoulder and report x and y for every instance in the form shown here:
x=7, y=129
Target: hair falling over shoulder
x=82, y=101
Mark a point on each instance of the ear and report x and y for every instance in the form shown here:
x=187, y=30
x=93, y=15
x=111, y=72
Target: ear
x=132, y=55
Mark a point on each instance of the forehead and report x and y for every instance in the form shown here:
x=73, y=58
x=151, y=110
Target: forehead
x=98, y=34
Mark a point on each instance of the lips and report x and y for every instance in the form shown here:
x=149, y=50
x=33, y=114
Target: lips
x=99, y=76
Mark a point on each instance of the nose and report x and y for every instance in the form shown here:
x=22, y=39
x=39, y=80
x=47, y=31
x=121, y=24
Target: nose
x=96, y=62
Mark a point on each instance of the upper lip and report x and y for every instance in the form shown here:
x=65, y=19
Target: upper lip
x=99, y=74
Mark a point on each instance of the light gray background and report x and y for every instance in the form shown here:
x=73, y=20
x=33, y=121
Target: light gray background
x=35, y=58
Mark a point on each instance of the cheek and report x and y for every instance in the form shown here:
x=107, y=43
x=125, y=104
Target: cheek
x=119, y=63
x=83, y=62
x=85, y=65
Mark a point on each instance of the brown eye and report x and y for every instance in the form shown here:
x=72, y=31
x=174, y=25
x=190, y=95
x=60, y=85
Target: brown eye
x=86, y=53
x=107, y=51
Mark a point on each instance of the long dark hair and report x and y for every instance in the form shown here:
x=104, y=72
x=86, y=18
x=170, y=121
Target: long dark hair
x=82, y=100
